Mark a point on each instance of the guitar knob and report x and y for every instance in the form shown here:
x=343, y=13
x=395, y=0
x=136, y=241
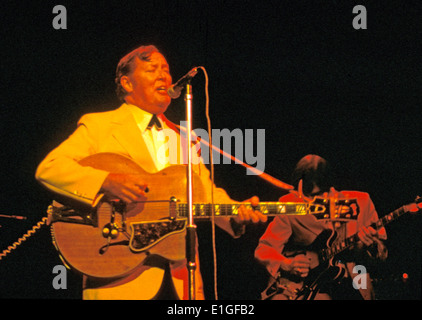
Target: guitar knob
x=106, y=232
x=114, y=233
x=110, y=230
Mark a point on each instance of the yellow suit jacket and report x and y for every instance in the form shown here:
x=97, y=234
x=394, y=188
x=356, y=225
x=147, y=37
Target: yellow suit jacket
x=116, y=132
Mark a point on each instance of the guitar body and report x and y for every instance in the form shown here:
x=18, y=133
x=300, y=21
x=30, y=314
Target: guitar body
x=326, y=270
x=85, y=246
x=293, y=287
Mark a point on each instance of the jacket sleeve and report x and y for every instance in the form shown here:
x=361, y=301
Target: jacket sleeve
x=271, y=244
x=60, y=171
x=378, y=250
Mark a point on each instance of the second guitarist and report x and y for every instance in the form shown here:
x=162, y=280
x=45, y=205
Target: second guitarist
x=290, y=245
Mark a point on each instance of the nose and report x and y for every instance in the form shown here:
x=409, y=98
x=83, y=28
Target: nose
x=164, y=75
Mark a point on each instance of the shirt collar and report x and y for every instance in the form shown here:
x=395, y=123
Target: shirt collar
x=142, y=117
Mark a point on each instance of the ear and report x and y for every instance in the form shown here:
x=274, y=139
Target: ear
x=126, y=84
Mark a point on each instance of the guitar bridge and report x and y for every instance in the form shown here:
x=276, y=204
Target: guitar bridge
x=147, y=234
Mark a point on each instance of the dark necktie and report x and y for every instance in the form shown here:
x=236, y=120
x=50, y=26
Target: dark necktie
x=155, y=122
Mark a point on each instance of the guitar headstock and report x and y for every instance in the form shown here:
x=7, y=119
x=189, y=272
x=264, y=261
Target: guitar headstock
x=414, y=207
x=334, y=209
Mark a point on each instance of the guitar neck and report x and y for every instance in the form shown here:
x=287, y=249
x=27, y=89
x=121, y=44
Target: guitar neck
x=352, y=240
x=204, y=210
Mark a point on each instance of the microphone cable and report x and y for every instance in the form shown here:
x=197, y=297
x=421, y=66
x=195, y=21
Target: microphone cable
x=214, y=250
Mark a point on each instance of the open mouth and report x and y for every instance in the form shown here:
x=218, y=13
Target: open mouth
x=162, y=89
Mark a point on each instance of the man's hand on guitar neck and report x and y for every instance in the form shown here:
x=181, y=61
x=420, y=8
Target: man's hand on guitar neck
x=253, y=215
x=370, y=237
x=126, y=187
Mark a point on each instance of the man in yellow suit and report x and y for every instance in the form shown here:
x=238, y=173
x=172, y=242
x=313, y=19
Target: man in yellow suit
x=142, y=79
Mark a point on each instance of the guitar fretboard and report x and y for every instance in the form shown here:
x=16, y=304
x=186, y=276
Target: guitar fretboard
x=352, y=240
x=204, y=210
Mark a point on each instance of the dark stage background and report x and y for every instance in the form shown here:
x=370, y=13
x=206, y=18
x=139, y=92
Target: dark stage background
x=297, y=69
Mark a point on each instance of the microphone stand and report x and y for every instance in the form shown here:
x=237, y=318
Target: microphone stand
x=191, y=227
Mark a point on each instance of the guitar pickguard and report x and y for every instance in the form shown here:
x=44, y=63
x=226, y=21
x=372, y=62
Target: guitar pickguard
x=147, y=234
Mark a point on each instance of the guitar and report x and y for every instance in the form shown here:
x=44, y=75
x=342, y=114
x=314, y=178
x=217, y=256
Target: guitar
x=323, y=254
x=113, y=239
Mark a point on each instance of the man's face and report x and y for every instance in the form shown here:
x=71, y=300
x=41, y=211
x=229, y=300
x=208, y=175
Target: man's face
x=149, y=83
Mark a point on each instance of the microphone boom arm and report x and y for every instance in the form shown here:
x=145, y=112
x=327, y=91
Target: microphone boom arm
x=176, y=89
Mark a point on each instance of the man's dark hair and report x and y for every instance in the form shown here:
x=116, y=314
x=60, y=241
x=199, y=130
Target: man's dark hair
x=312, y=170
x=127, y=64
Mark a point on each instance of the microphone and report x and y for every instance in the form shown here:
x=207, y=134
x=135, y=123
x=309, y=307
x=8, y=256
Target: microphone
x=176, y=89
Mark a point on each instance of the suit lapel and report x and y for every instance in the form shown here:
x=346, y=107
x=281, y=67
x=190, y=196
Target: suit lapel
x=127, y=133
